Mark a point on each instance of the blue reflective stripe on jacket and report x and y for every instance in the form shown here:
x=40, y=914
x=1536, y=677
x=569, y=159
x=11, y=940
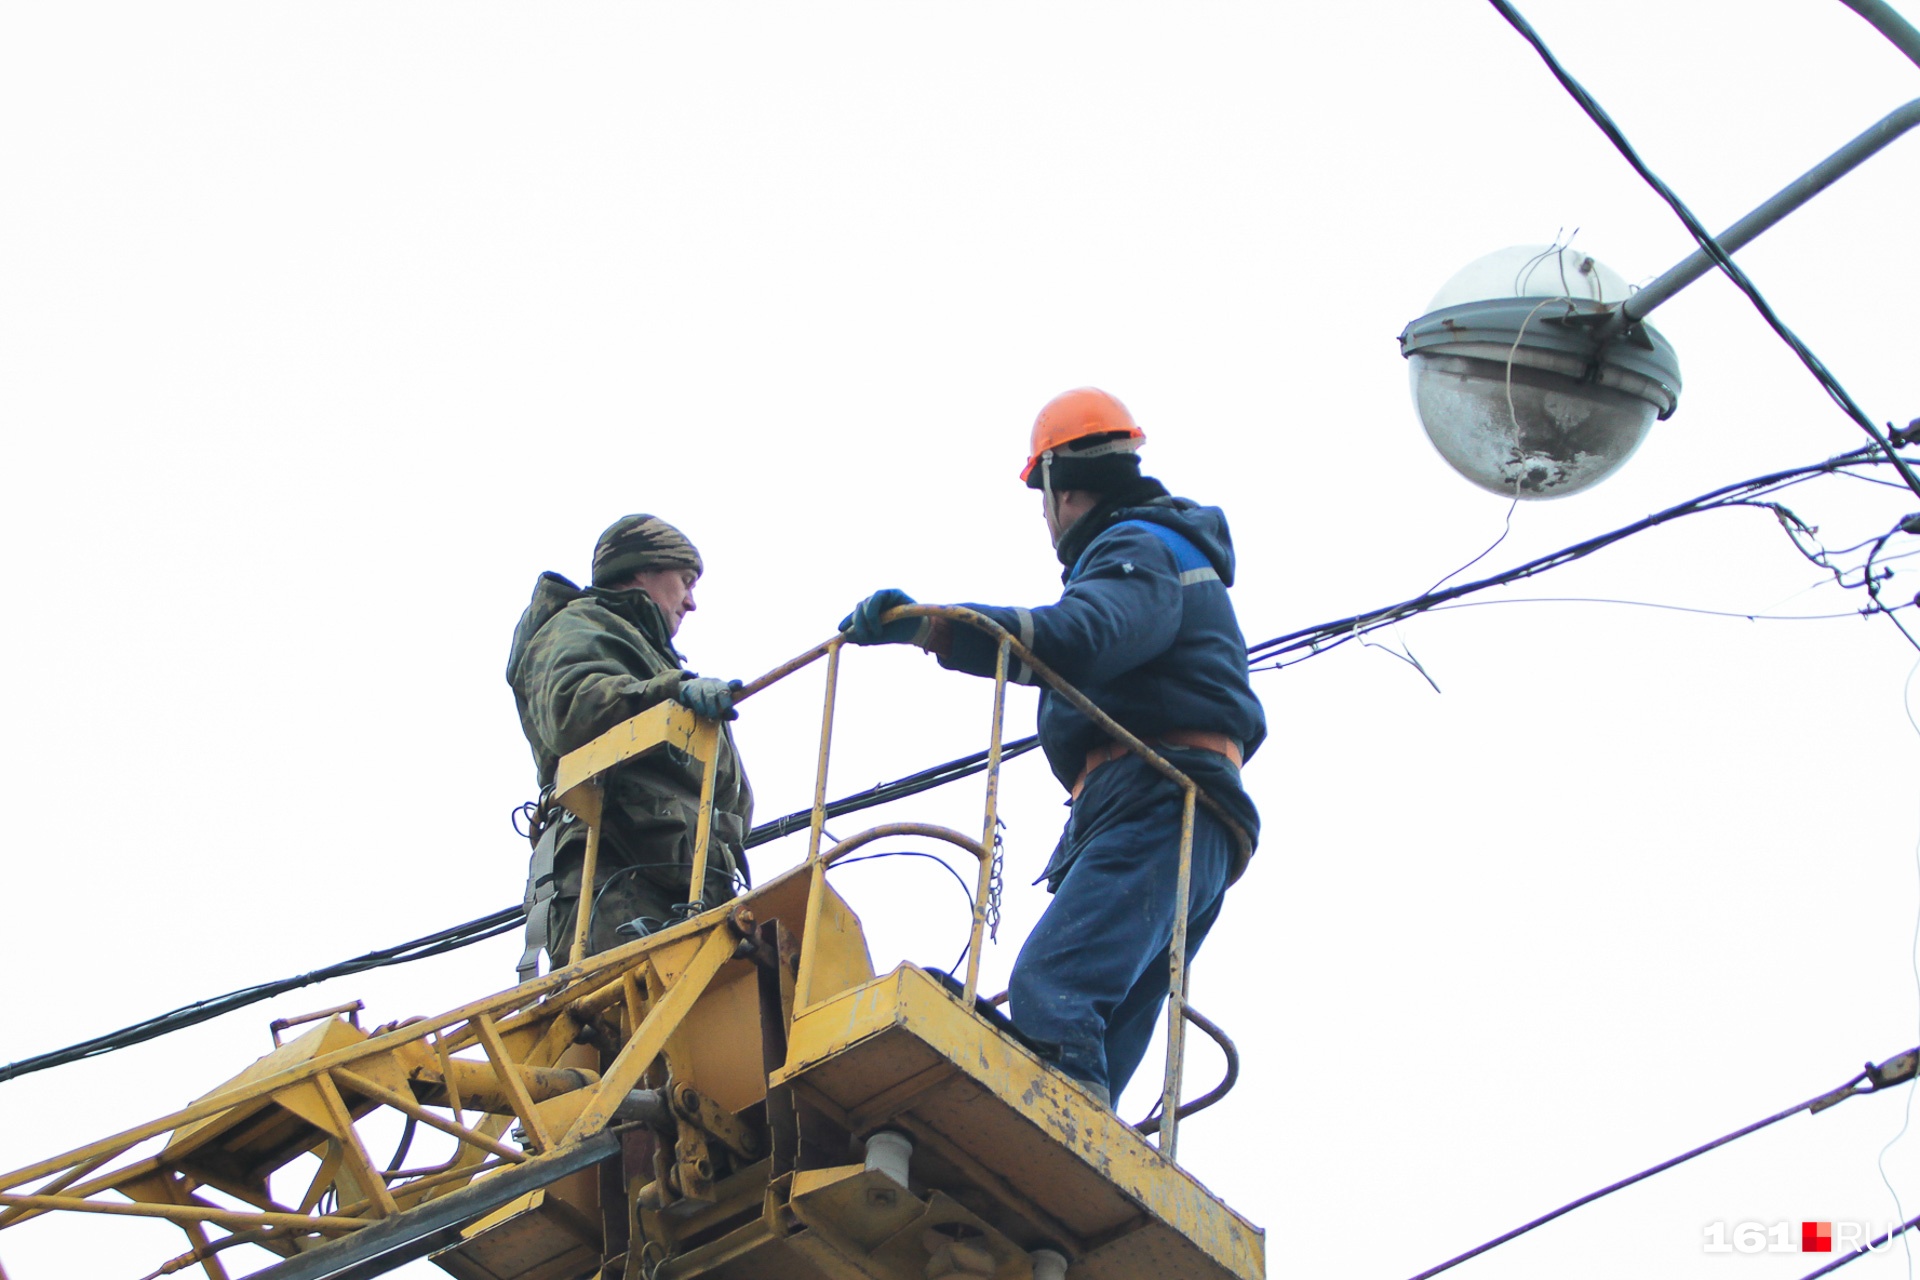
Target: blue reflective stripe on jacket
x=1146, y=630
x=1194, y=567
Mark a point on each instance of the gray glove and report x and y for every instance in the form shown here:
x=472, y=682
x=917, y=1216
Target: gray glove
x=705, y=696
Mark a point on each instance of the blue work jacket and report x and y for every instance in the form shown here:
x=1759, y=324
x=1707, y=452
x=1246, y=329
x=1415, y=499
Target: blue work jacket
x=1145, y=629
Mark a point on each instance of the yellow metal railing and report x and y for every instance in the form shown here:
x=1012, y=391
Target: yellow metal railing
x=577, y=787
x=671, y=725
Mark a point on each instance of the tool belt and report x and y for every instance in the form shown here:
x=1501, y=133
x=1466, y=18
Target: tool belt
x=1203, y=739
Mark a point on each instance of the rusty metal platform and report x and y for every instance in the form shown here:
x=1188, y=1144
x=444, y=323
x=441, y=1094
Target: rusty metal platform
x=900, y=1052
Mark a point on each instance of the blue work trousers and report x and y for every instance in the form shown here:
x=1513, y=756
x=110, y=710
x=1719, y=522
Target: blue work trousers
x=1093, y=975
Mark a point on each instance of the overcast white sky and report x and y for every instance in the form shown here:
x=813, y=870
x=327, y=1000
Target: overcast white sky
x=324, y=329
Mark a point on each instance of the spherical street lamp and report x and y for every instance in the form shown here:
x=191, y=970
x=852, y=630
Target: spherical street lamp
x=1527, y=380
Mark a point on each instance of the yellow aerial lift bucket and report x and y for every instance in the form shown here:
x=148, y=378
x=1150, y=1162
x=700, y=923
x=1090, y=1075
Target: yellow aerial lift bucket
x=738, y=1096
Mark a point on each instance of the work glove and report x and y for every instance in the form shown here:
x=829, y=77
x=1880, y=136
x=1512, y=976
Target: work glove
x=705, y=696
x=863, y=625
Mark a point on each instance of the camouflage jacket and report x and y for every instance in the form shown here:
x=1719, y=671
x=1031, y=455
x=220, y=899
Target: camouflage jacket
x=583, y=661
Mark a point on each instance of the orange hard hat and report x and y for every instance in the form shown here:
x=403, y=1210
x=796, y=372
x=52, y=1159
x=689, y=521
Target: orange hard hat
x=1080, y=414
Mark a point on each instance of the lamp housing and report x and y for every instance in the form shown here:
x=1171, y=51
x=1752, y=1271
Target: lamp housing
x=1542, y=395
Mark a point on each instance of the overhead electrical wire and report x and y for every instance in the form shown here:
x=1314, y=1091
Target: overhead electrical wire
x=1698, y=230
x=899, y=789
x=488, y=926
x=1311, y=640
x=1878, y=1242
x=1671, y=608
x=434, y=944
x=1321, y=637
x=1896, y=1070
x=1877, y=1076
x=1913, y=969
x=1306, y=642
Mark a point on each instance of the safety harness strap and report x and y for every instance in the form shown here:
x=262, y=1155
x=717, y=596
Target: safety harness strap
x=540, y=890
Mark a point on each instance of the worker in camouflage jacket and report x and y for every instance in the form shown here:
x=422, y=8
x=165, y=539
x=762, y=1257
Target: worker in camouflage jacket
x=1146, y=631
x=582, y=662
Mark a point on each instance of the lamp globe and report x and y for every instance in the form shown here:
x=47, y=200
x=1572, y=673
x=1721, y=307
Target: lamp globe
x=1527, y=381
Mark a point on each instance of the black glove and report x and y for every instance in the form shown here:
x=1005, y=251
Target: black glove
x=863, y=625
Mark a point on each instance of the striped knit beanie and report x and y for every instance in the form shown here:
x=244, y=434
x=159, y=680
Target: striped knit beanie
x=635, y=544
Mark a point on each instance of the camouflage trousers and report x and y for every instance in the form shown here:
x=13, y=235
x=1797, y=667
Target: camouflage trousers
x=645, y=896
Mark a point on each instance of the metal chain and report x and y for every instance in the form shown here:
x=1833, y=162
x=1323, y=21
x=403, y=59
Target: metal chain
x=996, y=881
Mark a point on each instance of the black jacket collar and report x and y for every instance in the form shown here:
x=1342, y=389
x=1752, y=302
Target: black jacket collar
x=1111, y=510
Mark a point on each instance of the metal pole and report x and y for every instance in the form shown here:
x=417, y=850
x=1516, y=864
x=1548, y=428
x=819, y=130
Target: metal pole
x=984, y=885
x=706, y=749
x=818, y=821
x=1889, y=24
x=817, y=879
x=1177, y=986
x=1804, y=188
x=583, y=910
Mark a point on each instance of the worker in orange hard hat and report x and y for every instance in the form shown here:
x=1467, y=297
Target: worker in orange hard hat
x=1145, y=629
